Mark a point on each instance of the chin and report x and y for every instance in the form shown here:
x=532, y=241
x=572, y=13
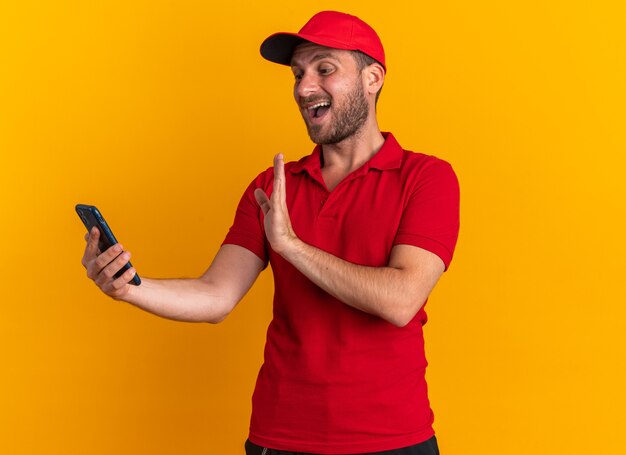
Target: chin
x=315, y=136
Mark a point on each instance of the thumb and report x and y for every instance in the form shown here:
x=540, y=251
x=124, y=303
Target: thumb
x=262, y=200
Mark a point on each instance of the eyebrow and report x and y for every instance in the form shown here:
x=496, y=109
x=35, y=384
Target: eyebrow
x=320, y=56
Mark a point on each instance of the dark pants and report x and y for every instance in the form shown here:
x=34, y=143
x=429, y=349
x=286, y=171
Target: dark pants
x=428, y=447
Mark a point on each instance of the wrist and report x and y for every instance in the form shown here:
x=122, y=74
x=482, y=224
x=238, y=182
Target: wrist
x=131, y=294
x=289, y=247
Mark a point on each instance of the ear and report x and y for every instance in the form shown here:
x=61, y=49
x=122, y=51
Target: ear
x=374, y=78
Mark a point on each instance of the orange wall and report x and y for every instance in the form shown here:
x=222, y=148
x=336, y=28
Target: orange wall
x=161, y=113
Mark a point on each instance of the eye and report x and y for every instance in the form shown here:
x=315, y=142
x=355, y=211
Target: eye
x=325, y=70
x=297, y=76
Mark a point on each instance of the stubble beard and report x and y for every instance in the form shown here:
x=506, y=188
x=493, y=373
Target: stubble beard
x=349, y=119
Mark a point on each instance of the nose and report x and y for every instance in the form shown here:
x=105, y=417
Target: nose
x=307, y=85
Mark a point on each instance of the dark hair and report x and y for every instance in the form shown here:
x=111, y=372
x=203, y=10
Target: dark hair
x=362, y=62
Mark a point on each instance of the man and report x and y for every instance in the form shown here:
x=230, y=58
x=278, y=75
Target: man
x=357, y=234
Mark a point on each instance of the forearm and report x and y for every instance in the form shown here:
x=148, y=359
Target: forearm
x=392, y=293
x=190, y=300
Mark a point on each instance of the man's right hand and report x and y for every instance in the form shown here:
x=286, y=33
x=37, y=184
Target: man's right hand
x=209, y=298
x=102, y=266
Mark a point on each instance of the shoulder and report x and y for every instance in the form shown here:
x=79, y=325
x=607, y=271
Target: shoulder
x=422, y=168
x=418, y=160
x=264, y=178
x=410, y=162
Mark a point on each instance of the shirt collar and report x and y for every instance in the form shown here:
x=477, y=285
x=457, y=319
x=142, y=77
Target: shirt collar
x=388, y=157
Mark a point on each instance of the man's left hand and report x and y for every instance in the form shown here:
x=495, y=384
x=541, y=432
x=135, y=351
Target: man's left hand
x=278, y=228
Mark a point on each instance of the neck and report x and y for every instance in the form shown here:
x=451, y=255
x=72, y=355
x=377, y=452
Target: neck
x=353, y=152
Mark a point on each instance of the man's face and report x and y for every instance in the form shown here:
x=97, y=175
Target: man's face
x=329, y=92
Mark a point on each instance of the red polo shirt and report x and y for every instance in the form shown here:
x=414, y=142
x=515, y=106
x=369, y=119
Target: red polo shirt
x=336, y=379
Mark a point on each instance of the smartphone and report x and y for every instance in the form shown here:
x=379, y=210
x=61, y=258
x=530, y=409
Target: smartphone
x=91, y=217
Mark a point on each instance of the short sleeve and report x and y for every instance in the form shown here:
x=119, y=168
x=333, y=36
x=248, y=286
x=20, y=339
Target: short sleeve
x=247, y=229
x=431, y=217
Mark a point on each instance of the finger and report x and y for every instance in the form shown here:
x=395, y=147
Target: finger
x=123, y=280
x=108, y=255
x=91, y=251
x=92, y=241
x=108, y=272
x=279, y=177
x=98, y=264
x=262, y=200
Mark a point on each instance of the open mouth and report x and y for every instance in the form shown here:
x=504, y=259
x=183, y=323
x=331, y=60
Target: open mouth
x=318, y=110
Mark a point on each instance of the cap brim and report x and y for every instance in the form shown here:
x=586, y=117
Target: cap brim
x=279, y=47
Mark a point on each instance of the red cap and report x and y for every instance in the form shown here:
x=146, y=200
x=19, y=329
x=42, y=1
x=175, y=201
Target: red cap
x=330, y=29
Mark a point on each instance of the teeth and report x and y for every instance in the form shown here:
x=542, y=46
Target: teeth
x=323, y=103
